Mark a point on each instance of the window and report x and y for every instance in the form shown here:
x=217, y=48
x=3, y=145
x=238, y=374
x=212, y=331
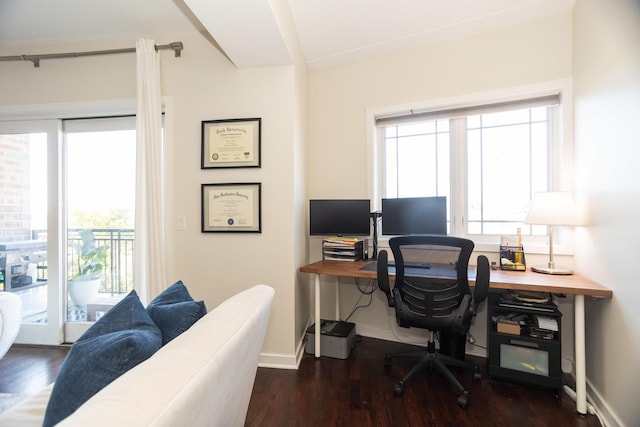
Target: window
x=508, y=161
x=417, y=159
x=488, y=160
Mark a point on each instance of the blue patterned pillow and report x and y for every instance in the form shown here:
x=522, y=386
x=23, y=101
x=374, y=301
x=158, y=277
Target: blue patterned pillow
x=174, y=311
x=124, y=337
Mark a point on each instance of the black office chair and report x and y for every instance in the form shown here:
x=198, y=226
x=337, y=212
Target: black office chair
x=431, y=291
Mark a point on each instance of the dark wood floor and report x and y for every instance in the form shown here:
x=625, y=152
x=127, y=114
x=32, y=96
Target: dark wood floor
x=353, y=392
x=28, y=369
x=358, y=392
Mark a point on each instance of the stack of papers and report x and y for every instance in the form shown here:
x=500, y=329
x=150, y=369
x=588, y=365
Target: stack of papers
x=546, y=322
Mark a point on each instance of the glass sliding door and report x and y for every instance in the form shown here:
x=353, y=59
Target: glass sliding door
x=67, y=197
x=99, y=163
x=29, y=226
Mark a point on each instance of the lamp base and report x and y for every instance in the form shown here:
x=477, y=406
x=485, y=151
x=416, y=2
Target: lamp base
x=552, y=270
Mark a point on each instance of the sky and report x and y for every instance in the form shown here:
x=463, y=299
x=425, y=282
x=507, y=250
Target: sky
x=101, y=173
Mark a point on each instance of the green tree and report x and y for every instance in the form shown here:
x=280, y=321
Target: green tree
x=111, y=218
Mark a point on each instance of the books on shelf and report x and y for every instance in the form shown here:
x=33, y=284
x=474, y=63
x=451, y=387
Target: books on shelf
x=342, y=249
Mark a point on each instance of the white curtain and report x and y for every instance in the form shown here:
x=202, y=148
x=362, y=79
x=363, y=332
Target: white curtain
x=149, y=263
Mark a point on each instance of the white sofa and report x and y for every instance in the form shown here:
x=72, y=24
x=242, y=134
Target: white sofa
x=204, y=377
x=10, y=318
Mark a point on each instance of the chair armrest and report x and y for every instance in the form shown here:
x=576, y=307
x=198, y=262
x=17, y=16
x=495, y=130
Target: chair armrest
x=464, y=313
x=402, y=318
x=383, y=276
x=481, y=288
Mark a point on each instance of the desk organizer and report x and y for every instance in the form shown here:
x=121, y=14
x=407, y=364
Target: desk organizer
x=343, y=249
x=512, y=258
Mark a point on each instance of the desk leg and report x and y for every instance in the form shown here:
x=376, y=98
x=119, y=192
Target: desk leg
x=317, y=328
x=337, y=298
x=581, y=368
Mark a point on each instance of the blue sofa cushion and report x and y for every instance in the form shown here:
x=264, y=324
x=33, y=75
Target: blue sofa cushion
x=174, y=311
x=124, y=337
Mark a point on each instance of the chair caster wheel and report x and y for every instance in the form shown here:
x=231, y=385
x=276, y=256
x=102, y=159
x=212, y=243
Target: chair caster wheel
x=398, y=389
x=463, y=400
x=387, y=360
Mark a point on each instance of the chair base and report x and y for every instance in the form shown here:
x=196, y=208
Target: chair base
x=432, y=359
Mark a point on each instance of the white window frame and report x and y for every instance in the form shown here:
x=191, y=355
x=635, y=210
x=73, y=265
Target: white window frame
x=561, y=155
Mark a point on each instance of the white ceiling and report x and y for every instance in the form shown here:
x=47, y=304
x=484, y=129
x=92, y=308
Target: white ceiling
x=331, y=32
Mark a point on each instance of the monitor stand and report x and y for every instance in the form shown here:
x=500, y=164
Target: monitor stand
x=374, y=218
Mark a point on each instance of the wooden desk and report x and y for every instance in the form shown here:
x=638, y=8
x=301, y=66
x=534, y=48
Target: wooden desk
x=574, y=284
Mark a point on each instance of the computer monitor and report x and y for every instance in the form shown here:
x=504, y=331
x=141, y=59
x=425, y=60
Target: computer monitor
x=414, y=215
x=339, y=217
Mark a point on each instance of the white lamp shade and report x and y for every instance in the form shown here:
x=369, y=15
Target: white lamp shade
x=552, y=208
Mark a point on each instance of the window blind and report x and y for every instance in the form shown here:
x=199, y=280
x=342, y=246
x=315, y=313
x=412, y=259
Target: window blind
x=99, y=124
x=467, y=110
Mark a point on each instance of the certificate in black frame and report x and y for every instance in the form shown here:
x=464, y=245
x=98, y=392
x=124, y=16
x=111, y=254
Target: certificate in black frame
x=234, y=207
x=231, y=143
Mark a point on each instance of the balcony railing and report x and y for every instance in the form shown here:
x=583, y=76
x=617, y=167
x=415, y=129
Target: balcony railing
x=117, y=275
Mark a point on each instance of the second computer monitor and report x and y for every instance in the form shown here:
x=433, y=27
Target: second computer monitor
x=414, y=215
x=339, y=217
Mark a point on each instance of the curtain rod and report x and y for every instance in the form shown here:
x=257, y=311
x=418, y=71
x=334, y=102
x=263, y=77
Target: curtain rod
x=175, y=46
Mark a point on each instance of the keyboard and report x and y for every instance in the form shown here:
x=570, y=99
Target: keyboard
x=412, y=264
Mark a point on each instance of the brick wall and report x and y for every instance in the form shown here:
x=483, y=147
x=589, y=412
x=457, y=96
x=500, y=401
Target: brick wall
x=15, y=209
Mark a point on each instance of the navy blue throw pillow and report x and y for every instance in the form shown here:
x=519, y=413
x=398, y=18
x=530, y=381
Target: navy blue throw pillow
x=124, y=337
x=174, y=311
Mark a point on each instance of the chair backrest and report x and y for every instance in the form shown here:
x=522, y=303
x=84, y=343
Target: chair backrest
x=431, y=280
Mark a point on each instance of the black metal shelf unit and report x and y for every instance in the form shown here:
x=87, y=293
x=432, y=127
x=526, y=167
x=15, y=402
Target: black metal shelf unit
x=527, y=354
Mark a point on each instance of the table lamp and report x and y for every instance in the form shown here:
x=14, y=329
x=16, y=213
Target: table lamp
x=552, y=208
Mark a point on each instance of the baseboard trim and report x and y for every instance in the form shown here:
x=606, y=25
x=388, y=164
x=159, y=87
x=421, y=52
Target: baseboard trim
x=606, y=414
x=278, y=361
x=410, y=338
x=281, y=361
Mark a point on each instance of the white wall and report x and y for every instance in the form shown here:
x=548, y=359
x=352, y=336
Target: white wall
x=607, y=108
x=341, y=96
x=300, y=81
x=201, y=85
x=206, y=86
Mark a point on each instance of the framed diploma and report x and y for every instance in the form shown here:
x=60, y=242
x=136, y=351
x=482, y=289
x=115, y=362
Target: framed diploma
x=231, y=208
x=233, y=143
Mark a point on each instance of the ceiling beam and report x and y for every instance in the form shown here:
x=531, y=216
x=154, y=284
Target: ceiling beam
x=245, y=30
